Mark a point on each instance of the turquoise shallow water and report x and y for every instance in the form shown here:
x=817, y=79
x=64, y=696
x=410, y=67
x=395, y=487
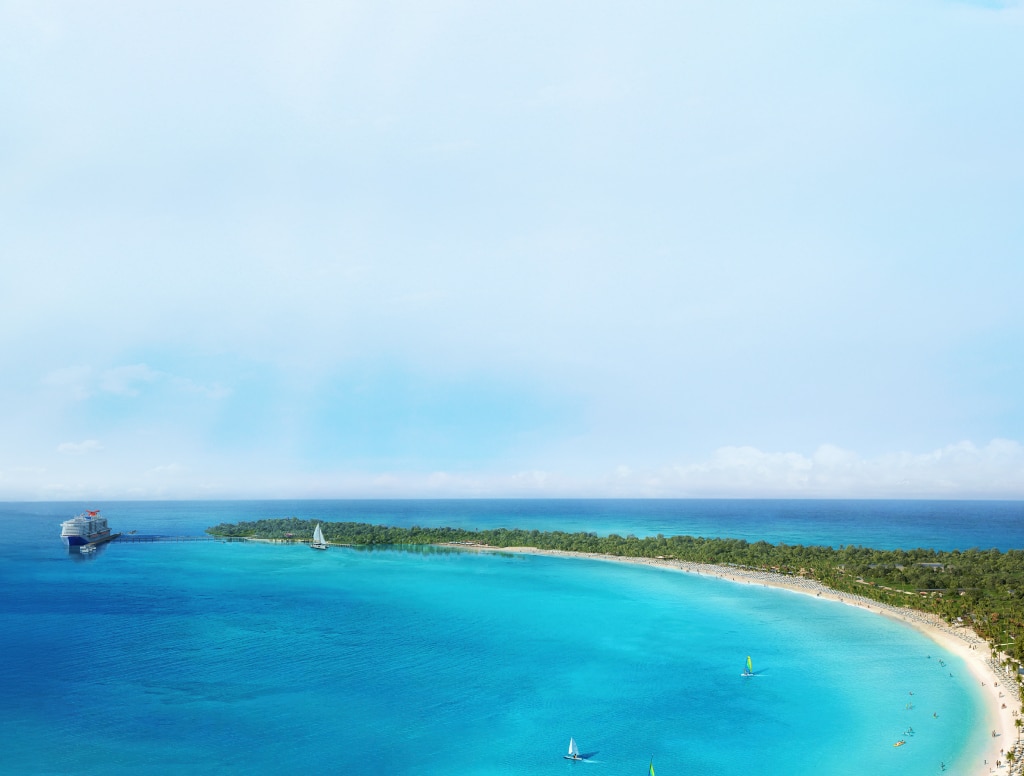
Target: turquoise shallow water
x=262, y=659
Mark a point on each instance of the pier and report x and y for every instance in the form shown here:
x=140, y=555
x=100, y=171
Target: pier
x=133, y=538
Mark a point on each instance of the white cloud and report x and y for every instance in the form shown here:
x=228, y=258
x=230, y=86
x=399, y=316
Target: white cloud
x=73, y=382
x=79, y=448
x=956, y=470
x=213, y=391
x=164, y=470
x=960, y=470
x=534, y=481
x=83, y=382
x=125, y=380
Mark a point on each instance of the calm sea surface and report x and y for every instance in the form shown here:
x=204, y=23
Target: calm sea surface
x=213, y=657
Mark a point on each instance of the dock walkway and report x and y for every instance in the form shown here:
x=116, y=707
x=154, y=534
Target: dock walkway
x=132, y=538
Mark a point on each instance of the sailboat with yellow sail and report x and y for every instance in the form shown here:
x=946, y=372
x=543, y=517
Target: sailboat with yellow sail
x=748, y=670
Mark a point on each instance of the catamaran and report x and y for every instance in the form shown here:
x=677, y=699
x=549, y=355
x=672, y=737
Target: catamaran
x=574, y=751
x=319, y=543
x=749, y=670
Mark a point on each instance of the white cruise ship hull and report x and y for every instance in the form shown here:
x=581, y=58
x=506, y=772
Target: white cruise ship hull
x=86, y=528
x=79, y=541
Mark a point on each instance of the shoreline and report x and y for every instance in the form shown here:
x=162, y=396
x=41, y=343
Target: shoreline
x=998, y=688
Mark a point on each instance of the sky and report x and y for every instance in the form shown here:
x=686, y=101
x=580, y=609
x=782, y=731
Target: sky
x=715, y=248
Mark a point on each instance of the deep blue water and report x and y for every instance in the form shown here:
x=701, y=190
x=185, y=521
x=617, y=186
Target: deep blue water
x=260, y=659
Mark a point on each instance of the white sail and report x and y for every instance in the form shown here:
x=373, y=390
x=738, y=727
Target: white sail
x=574, y=751
x=318, y=539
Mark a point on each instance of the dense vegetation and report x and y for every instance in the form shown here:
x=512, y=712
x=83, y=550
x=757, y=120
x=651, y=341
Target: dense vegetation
x=983, y=587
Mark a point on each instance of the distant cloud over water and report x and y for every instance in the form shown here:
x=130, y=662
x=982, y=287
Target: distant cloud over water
x=961, y=470
x=958, y=471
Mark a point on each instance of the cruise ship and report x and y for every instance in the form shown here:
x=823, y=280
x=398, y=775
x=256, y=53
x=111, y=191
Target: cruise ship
x=85, y=528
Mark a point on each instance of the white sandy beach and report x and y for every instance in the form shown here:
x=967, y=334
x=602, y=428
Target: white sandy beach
x=998, y=687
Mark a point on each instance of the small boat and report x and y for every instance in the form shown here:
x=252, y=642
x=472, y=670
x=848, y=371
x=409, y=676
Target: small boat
x=574, y=751
x=319, y=543
x=901, y=742
x=86, y=549
x=749, y=668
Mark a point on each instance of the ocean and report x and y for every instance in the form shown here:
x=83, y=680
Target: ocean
x=212, y=657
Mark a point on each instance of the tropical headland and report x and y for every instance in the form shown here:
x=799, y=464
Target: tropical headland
x=969, y=602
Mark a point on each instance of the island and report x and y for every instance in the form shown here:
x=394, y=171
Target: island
x=970, y=601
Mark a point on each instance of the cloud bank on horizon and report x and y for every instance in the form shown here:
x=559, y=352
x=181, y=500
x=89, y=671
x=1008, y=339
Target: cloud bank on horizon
x=398, y=250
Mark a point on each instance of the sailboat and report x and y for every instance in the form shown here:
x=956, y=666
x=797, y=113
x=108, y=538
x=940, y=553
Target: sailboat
x=574, y=751
x=749, y=670
x=319, y=543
